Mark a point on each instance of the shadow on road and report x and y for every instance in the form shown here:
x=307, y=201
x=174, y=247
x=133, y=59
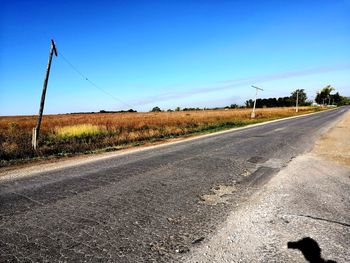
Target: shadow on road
x=310, y=249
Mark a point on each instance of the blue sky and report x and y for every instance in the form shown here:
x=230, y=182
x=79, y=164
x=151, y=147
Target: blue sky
x=169, y=53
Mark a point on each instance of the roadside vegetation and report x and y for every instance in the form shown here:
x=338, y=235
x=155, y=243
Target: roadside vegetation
x=288, y=101
x=324, y=96
x=66, y=134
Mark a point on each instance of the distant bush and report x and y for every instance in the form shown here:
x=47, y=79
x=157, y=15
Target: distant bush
x=156, y=109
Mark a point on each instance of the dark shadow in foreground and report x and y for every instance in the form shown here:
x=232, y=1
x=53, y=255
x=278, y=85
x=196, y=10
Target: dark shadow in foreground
x=310, y=249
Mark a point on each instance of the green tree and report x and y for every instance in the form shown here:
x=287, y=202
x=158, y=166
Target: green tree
x=344, y=101
x=301, y=96
x=336, y=98
x=156, y=109
x=324, y=95
x=249, y=103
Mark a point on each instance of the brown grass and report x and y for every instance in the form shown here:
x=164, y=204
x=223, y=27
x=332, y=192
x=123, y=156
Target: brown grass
x=113, y=130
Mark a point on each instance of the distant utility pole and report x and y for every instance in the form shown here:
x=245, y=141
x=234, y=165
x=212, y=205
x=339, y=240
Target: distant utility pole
x=256, y=95
x=296, y=105
x=42, y=101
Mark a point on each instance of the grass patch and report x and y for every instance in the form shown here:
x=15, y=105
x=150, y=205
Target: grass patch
x=81, y=130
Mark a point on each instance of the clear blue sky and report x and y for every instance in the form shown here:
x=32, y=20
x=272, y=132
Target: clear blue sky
x=169, y=53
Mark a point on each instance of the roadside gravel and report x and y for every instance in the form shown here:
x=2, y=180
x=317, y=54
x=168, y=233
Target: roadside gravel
x=309, y=198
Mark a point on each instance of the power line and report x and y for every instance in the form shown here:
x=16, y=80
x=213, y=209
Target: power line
x=91, y=82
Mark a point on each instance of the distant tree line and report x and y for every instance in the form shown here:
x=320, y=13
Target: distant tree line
x=325, y=97
x=281, y=101
x=322, y=97
x=120, y=111
x=104, y=111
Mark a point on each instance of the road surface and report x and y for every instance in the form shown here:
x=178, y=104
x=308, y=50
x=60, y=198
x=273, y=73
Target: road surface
x=148, y=206
x=301, y=213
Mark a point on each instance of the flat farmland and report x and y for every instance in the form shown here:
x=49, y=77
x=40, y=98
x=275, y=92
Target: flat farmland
x=66, y=134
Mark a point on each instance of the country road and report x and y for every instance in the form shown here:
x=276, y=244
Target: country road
x=154, y=205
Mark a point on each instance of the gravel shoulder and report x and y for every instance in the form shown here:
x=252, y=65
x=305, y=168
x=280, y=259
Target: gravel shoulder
x=309, y=198
x=335, y=144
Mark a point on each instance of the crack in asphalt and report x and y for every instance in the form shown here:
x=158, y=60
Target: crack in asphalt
x=326, y=220
x=28, y=198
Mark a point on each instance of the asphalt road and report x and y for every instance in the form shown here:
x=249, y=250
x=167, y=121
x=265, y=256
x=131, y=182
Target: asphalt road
x=148, y=206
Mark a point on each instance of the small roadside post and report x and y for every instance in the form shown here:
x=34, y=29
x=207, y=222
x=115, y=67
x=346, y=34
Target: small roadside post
x=256, y=95
x=36, y=130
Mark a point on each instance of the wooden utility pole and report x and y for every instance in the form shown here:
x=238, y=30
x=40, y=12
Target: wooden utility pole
x=256, y=95
x=296, y=105
x=42, y=101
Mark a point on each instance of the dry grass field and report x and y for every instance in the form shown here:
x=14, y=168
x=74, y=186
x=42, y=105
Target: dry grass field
x=82, y=133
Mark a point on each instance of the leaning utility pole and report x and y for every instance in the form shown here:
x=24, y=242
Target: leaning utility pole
x=256, y=95
x=296, y=105
x=41, y=109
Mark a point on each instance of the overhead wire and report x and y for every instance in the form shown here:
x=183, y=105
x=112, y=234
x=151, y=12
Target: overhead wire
x=94, y=84
x=106, y=92
x=91, y=82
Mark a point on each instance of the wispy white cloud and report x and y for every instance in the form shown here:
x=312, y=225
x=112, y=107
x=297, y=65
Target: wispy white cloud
x=235, y=83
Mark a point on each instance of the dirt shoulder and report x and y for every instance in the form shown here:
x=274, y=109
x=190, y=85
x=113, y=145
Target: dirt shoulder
x=308, y=199
x=335, y=144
